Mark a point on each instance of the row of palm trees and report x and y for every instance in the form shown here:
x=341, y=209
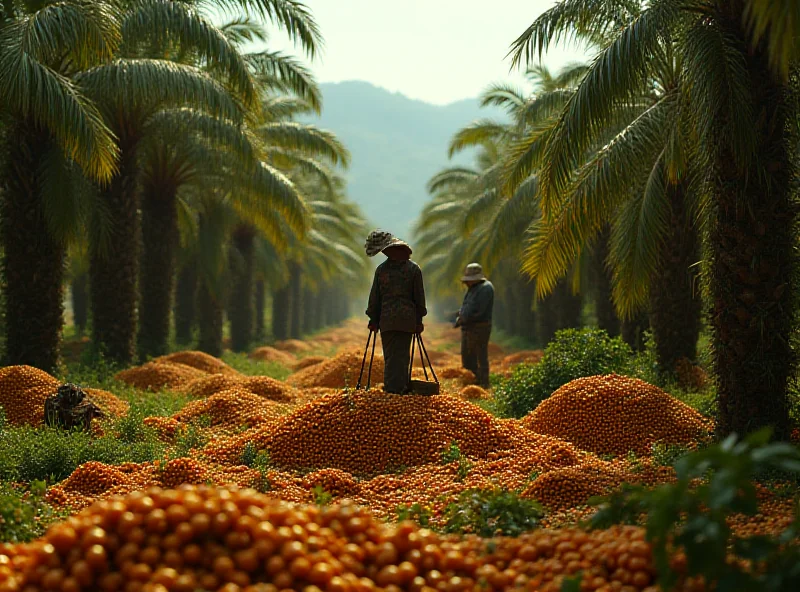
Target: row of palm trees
x=667, y=165
x=142, y=140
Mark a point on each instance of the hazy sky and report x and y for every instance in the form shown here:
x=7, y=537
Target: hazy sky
x=435, y=50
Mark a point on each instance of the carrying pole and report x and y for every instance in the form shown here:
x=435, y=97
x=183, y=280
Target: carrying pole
x=364, y=360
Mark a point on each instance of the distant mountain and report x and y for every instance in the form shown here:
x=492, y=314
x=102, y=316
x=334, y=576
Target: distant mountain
x=397, y=144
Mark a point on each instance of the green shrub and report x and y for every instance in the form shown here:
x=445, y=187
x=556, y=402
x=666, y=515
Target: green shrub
x=683, y=516
x=416, y=512
x=572, y=354
x=492, y=512
x=24, y=515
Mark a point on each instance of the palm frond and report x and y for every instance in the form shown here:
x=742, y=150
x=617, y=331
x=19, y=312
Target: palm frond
x=477, y=133
x=266, y=193
x=31, y=90
x=282, y=107
x=777, y=22
x=163, y=24
x=638, y=230
x=601, y=185
x=307, y=139
x=291, y=15
x=89, y=32
x=504, y=95
x=569, y=20
x=716, y=74
x=452, y=177
x=544, y=105
x=617, y=74
x=244, y=29
x=143, y=86
x=278, y=70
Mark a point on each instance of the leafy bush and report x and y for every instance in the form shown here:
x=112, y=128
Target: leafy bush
x=416, y=513
x=572, y=354
x=492, y=512
x=453, y=454
x=682, y=516
x=48, y=454
x=24, y=515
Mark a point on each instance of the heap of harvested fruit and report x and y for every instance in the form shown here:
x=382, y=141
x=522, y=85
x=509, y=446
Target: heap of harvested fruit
x=612, y=414
x=228, y=539
x=573, y=486
x=456, y=373
x=200, y=360
x=154, y=376
x=473, y=391
x=271, y=354
x=293, y=345
x=231, y=410
x=24, y=389
x=263, y=386
x=307, y=362
x=338, y=372
x=368, y=432
x=109, y=403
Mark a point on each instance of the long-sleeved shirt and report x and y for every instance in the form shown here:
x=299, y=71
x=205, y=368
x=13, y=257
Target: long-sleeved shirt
x=478, y=304
x=397, y=298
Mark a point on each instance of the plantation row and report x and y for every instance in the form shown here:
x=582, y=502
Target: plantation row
x=156, y=166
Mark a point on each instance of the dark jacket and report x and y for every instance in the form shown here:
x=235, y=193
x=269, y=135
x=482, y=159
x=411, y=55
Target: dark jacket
x=478, y=304
x=397, y=298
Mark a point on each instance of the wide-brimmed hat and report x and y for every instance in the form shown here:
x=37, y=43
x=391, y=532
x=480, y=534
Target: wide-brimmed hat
x=379, y=240
x=473, y=273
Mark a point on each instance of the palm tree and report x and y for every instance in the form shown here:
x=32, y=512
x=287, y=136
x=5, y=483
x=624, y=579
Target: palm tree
x=52, y=128
x=133, y=91
x=735, y=95
x=639, y=181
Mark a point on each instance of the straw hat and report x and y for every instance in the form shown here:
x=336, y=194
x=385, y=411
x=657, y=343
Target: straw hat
x=378, y=240
x=473, y=273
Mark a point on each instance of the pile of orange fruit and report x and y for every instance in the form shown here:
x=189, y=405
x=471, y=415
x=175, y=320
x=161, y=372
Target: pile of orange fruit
x=370, y=432
x=238, y=540
x=200, y=360
x=23, y=390
x=231, y=409
x=340, y=371
x=271, y=354
x=156, y=376
x=612, y=414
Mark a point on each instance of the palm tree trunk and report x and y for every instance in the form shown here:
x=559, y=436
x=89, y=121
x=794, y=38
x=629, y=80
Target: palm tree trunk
x=296, y=290
x=211, y=316
x=601, y=282
x=186, y=303
x=260, y=309
x=241, y=309
x=569, y=305
x=310, y=322
x=675, y=303
x=33, y=260
x=752, y=241
x=632, y=331
x=157, y=280
x=319, y=307
x=548, y=317
x=281, y=304
x=530, y=327
x=114, y=268
x=79, y=290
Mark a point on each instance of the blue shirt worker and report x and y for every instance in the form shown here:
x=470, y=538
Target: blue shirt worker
x=475, y=320
x=396, y=306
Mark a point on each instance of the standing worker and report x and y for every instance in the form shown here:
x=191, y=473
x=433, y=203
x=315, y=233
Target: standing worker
x=475, y=320
x=396, y=306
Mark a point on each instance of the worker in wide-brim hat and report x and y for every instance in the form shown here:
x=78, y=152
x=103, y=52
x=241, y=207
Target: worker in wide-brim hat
x=475, y=320
x=396, y=306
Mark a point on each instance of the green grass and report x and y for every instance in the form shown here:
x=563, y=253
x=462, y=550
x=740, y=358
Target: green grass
x=250, y=367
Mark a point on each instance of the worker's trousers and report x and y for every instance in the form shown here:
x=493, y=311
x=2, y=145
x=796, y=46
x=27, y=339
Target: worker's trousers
x=396, y=358
x=475, y=351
